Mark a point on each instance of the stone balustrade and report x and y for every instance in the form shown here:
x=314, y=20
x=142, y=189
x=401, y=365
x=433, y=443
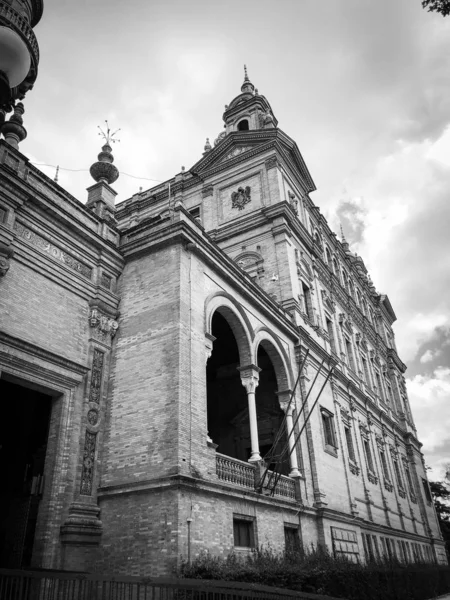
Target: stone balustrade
x=235, y=471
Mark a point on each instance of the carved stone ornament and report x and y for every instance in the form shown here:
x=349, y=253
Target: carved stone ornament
x=236, y=152
x=96, y=377
x=271, y=162
x=372, y=478
x=328, y=301
x=102, y=323
x=293, y=202
x=87, y=473
x=5, y=254
x=240, y=198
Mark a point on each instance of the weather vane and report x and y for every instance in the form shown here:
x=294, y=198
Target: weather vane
x=108, y=136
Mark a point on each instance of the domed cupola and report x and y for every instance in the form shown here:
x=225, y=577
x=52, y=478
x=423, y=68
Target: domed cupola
x=249, y=110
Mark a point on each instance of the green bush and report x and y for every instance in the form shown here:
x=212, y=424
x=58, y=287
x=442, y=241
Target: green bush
x=318, y=572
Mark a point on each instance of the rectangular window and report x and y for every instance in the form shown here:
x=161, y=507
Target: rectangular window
x=349, y=350
x=389, y=548
x=426, y=489
x=368, y=454
x=308, y=308
x=195, y=212
x=331, y=334
x=389, y=394
x=379, y=386
x=244, y=535
x=328, y=429
x=350, y=447
x=384, y=465
x=291, y=539
x=408, y=478
x=398, y=475
x=366, y=371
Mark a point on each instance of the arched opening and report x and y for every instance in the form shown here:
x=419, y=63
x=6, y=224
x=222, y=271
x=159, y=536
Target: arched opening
x=270, y=415
x=228, y=422
x=243, y=125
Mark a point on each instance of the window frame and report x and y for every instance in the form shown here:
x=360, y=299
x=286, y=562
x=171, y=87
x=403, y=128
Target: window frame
x=327, y=416
x=250, y=522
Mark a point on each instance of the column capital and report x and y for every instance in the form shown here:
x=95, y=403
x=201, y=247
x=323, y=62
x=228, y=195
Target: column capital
x=249, y=377
x=284, y=397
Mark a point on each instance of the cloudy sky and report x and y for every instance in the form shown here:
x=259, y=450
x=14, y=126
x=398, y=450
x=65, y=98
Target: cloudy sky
x=362, y=86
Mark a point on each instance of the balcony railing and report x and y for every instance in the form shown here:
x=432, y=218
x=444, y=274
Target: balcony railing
x=235, y=471
x=241, y=474
x=19, y=23
x=285, y=487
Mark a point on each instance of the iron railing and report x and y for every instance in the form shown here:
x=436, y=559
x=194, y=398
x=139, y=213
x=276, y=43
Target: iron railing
x=57, y=585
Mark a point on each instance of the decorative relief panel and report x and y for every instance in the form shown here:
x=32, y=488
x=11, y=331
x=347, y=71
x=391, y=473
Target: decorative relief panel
x=54, y=251
x=96, y=377
x=235, y=152
x=106, y=281
x=87, y=473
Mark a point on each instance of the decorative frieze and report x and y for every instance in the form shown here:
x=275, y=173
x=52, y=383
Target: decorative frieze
x=87, y=473
x=45, y=246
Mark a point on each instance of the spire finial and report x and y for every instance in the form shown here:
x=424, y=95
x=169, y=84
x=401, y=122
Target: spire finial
x=104, y=170
x=56, y=174
x=108, y=136
x=247, y=86
x=342, y=234
x=344, y=242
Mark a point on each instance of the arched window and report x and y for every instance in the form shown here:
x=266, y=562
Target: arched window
x=364, y=308
x=243, y=125
x=358, y=298
x=328, y=257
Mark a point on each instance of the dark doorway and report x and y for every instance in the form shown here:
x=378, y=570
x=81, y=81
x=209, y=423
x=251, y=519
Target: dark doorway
x=24, y=425
x=228, y=424
x=270, y=415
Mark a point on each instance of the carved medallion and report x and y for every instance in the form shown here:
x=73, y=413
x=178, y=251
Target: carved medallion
x=241, y=197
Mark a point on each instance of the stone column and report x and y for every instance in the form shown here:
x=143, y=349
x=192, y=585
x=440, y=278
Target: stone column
x=284, y=398
x=250, y=380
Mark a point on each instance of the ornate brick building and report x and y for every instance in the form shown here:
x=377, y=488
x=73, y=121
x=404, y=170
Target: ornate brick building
x=202, y=366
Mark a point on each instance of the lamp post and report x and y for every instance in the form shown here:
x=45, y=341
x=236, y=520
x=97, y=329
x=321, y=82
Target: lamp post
x=19, y=51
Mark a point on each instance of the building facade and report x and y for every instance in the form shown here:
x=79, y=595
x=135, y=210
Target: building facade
x=204, y=366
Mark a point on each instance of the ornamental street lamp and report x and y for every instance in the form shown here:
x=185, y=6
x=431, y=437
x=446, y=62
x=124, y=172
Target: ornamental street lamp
x=19, y=51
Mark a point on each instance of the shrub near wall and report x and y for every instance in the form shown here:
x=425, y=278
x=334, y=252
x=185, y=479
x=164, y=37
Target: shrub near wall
x=318, y=572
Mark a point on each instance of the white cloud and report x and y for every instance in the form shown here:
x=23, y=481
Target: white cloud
x=429, y=396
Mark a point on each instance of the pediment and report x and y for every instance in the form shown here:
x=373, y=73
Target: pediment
x=240, y=145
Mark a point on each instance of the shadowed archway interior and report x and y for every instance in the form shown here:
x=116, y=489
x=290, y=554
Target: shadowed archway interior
x=228, y=419
x=24, y=425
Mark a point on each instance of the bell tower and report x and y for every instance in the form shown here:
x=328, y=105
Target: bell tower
x=249, y=110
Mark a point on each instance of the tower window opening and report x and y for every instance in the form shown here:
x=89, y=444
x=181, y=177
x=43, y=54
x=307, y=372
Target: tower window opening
x=243, y=125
